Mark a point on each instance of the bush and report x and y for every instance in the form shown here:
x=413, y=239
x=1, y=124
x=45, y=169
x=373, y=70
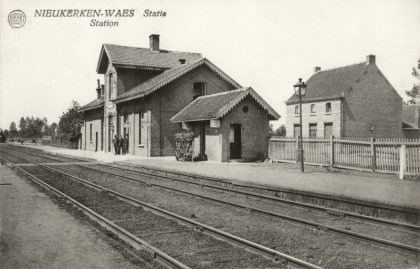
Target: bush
x=184, y=149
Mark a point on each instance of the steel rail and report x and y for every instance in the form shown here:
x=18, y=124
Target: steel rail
x=273, y=214
x=262, y=196
x=121, y=233
x=252, y=246
x=261, y=211
x=256, y=195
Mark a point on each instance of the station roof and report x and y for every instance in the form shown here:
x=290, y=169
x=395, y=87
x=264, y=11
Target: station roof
x=97, y=103
x=170, y=75
x=146, y=58
x=215, y=106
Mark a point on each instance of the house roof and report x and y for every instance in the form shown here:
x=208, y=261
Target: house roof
x=215, y=106
x=97, y=103
x=133, y=57
x=409, y=115
x=331, y=84
x=170, y=75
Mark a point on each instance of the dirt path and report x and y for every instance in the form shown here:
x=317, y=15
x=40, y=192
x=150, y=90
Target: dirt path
x=36, y=233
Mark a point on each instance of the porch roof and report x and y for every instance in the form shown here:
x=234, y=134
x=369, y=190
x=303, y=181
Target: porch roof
x=215, y=106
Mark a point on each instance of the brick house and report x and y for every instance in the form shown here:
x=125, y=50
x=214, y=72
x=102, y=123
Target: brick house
x=144, y=88
x=351, y=101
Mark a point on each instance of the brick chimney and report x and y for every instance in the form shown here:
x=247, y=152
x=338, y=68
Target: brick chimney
x=154, y=42
x=370, y=59
x=317, y=69
x=99, y=90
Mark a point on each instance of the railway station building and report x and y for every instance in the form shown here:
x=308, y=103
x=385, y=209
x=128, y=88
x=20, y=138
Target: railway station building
x=144, y=88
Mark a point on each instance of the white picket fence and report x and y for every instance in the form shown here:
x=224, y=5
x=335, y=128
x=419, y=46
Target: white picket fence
x=369, y=154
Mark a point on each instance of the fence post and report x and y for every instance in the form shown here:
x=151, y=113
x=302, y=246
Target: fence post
x=403, y=160
x=332, y=151
x=373, y=153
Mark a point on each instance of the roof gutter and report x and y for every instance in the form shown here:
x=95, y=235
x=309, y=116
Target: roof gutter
x=314, y=100
x=91, y=108
x=192, y=120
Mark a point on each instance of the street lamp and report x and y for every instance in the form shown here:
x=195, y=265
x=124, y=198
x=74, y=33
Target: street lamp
x=300, y=90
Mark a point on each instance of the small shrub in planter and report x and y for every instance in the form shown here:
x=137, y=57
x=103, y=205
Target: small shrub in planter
x=183, y=148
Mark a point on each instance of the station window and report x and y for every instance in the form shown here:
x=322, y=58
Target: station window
x=328, y=107
x=141, y=117
x=296, y=110
x=90, y=132
x=199, y=89
x=110, y=86
x=126, y=118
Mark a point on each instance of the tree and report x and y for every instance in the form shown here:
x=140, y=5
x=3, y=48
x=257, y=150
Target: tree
x=281, y=131
x=13, y=130
x=53, y=128
x=3, y=135
x=70, y=123
x=415, y=91
x=22, y=127
x=30, y=127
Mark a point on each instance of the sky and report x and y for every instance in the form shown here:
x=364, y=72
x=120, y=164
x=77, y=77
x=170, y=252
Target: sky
x=265, y=44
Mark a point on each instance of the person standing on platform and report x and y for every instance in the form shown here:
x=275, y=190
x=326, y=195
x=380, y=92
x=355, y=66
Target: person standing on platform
x=121, y=145
x=126, y=143
x=115, y=143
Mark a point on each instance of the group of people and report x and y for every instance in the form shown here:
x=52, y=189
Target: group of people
x=120, y=144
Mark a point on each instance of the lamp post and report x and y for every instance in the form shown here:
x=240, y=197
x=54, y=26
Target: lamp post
x=300, y=90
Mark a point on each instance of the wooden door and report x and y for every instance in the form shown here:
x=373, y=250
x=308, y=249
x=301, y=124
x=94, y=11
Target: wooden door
x=202, y=141
x=235, y=138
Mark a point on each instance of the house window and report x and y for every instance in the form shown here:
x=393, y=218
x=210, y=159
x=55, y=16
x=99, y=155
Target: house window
x=141, y=117
x=328, y=129
x=328, y=107
x=313, y=110
x=126, y=118
x=199, y=89
x=245, y=109
x=312, y=129
x=110, y=86
x=90, y=132
x=296, y=110
x=296, y=130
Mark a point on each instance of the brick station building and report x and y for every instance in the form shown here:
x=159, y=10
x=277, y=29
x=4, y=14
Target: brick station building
x=146, y=87
x=351, y=101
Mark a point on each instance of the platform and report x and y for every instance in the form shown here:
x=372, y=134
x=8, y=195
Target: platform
x=347, y=184
x=36, y=233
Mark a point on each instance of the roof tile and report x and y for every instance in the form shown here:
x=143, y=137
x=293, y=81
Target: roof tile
x=331, y=83
x=132, y=56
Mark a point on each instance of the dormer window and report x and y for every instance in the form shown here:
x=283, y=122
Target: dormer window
x=328, y=107
x=313, y=110
x=296, y=110
x=199, y=89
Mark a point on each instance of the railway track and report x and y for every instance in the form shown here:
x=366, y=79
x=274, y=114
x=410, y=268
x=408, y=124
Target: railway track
x=206, y=246
x=415, y=237
x=257, y=192
x=247, y=208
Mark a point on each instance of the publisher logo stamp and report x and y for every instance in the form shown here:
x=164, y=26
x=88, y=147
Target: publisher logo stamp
x=17, y=18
